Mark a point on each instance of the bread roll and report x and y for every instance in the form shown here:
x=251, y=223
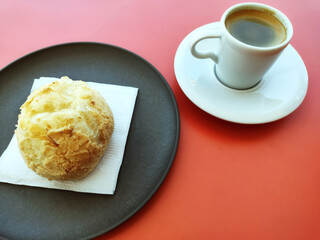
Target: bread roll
x=64, y=129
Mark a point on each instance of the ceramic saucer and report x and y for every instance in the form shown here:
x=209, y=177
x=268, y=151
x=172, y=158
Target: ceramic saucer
x=278, y=94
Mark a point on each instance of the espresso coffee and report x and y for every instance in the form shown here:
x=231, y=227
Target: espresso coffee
x=256, y=28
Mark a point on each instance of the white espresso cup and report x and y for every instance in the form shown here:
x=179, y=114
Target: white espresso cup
x=240, y=64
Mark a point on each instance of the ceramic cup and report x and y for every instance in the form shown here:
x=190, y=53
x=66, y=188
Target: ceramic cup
x=239, y=65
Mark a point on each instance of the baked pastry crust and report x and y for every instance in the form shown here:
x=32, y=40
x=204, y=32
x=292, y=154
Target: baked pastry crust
x=64, y=129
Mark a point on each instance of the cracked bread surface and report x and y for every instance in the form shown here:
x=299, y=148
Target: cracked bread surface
x=63, y=129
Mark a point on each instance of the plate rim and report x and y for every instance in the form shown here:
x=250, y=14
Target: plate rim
x=177, y=123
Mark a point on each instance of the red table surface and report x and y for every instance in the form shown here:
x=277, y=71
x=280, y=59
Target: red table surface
x=228, y=181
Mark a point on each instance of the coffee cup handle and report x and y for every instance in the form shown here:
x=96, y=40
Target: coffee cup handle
x=203, y=55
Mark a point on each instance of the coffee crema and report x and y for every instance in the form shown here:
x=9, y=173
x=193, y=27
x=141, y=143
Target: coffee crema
x=256, y=28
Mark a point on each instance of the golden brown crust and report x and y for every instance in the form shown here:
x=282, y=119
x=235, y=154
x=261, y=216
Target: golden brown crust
x=64, y=129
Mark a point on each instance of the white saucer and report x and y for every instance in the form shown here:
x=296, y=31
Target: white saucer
x=279, y=93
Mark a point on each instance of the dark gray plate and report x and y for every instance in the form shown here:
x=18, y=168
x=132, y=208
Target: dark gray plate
x=39, y=213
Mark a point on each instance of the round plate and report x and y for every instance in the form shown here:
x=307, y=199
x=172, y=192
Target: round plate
x=32, y=213
x=279, y=93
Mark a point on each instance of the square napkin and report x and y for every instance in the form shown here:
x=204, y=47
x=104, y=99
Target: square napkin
x=103, y=179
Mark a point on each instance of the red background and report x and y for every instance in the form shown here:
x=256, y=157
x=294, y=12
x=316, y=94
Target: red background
x=228, y=181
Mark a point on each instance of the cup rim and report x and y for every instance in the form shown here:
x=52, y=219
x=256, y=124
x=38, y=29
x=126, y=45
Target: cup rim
x=253, y=5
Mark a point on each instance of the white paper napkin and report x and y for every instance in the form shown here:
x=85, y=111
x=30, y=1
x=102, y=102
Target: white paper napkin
x=103, y=179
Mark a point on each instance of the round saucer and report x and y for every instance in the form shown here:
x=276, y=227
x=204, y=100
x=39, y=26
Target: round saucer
x=278, y=94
